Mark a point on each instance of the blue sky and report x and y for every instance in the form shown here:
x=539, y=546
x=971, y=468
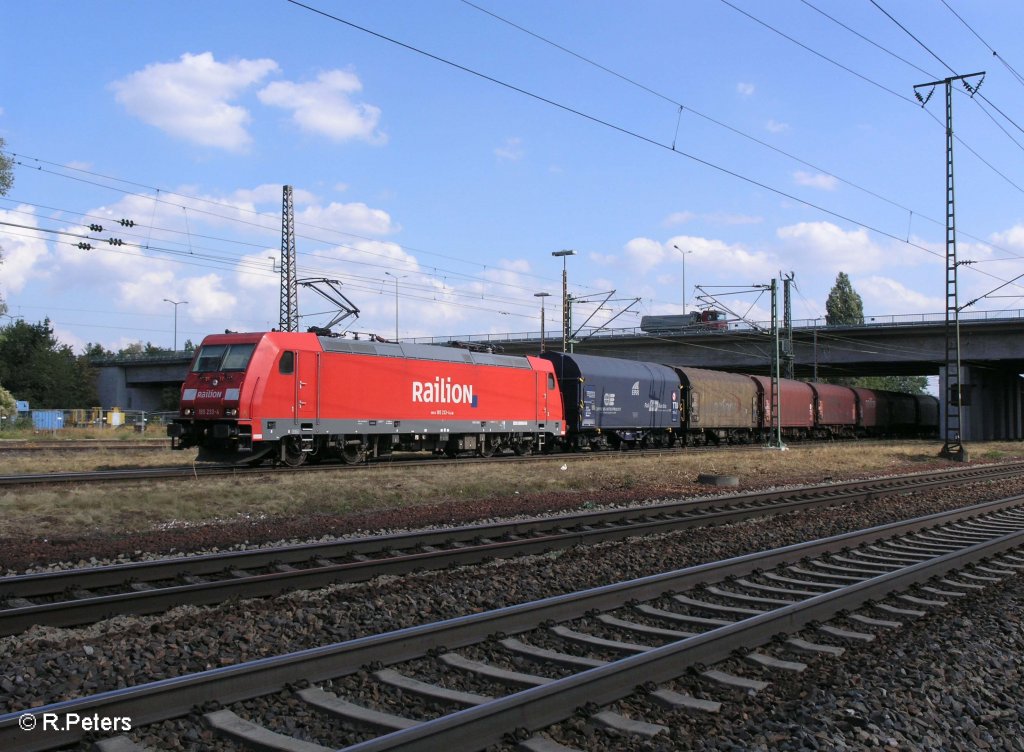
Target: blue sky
x=188, y=117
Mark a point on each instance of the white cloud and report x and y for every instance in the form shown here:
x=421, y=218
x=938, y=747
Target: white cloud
x=324, y=106
x=893, y=297
x=512, y=150
x=25, y=252
x=680, y=218
x=190, y=98
x=1014, y=237
x=356, y=218
x=819, y=180
x=827, y=247
x=774, y=126
x=745, y=89
x=208, y=299
x=716, y=258
x=258, y=272
x=644, y=254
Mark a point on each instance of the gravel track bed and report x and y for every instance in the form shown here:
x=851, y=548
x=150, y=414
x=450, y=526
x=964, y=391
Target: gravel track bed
x=48, y=664
x=92, y=549
x=948, y=681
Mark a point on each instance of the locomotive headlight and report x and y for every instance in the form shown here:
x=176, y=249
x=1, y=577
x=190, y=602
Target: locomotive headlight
x=187, y=411
x=231, y=412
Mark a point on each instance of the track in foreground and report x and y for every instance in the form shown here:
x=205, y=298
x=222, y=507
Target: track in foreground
x=82, y=596
x=577, y=644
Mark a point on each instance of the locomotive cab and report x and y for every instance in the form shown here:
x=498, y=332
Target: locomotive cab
x=211, y=396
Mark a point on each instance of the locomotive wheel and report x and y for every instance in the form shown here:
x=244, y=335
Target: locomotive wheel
x=486, y=447
x=353, y=454
x=524, y=448
x=291, y=451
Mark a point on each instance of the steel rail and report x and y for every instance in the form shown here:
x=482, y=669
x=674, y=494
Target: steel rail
x=536, y=708
x=405, y=552
x=216, y=470
x=175, y=697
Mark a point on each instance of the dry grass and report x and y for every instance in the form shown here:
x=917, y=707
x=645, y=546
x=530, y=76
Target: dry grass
x=71, y=460
x=144, y=506
x=107, y=433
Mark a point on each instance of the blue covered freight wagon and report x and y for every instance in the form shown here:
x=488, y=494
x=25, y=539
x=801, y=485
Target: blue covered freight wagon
x=616, y=403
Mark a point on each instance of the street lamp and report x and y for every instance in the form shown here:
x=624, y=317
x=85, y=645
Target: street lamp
x=176, y=303
x=684, y=273
x=566, y=315
x=542, y=295
x=397, y=277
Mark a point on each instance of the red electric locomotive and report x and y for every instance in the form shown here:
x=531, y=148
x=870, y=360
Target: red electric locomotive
x=302, y=397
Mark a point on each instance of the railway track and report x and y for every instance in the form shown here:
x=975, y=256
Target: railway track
x=80, y=596
x=80, y=445
x=406, y=461
x=507, y=674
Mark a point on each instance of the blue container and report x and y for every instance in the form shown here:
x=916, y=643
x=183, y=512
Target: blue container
x=47, y=420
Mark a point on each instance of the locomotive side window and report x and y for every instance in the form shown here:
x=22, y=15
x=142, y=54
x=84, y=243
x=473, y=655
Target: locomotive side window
x=287, y=363
x=223, y=357
x=551, y=381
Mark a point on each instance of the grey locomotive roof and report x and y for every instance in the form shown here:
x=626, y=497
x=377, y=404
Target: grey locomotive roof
x=421, y=352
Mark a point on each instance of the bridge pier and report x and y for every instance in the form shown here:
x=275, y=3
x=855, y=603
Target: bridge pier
x=992, y=404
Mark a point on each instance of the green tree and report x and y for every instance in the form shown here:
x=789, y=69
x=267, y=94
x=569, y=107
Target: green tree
x=136, y=349
x=6, y=181
x=906, y=384
x=35, y=366
x=844, y=305
x=6, y=171
x=7, y=408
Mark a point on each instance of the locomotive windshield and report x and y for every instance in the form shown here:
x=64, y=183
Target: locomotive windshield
x=223, y=357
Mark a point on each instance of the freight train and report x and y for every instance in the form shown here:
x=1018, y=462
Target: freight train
x=303, y=397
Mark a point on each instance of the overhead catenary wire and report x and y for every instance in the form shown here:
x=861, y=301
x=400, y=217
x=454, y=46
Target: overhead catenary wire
x=951, y=70
x=847, y=343
x=821, y=55
x=1013, y=71
x=621, y=129
x=741, y=133
x=272, y=221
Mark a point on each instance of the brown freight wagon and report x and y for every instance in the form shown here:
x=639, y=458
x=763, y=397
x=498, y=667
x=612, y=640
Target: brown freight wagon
x=797, y=407
x=835, y=411
x=717, y=407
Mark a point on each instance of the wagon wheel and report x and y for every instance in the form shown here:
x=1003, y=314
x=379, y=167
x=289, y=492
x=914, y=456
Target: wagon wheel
x=291, y=451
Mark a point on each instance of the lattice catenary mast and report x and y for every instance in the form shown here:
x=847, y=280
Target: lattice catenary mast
x=289, y=284
x=953, y=447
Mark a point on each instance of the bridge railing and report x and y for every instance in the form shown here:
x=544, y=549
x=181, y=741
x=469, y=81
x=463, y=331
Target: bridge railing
x=555, y=337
